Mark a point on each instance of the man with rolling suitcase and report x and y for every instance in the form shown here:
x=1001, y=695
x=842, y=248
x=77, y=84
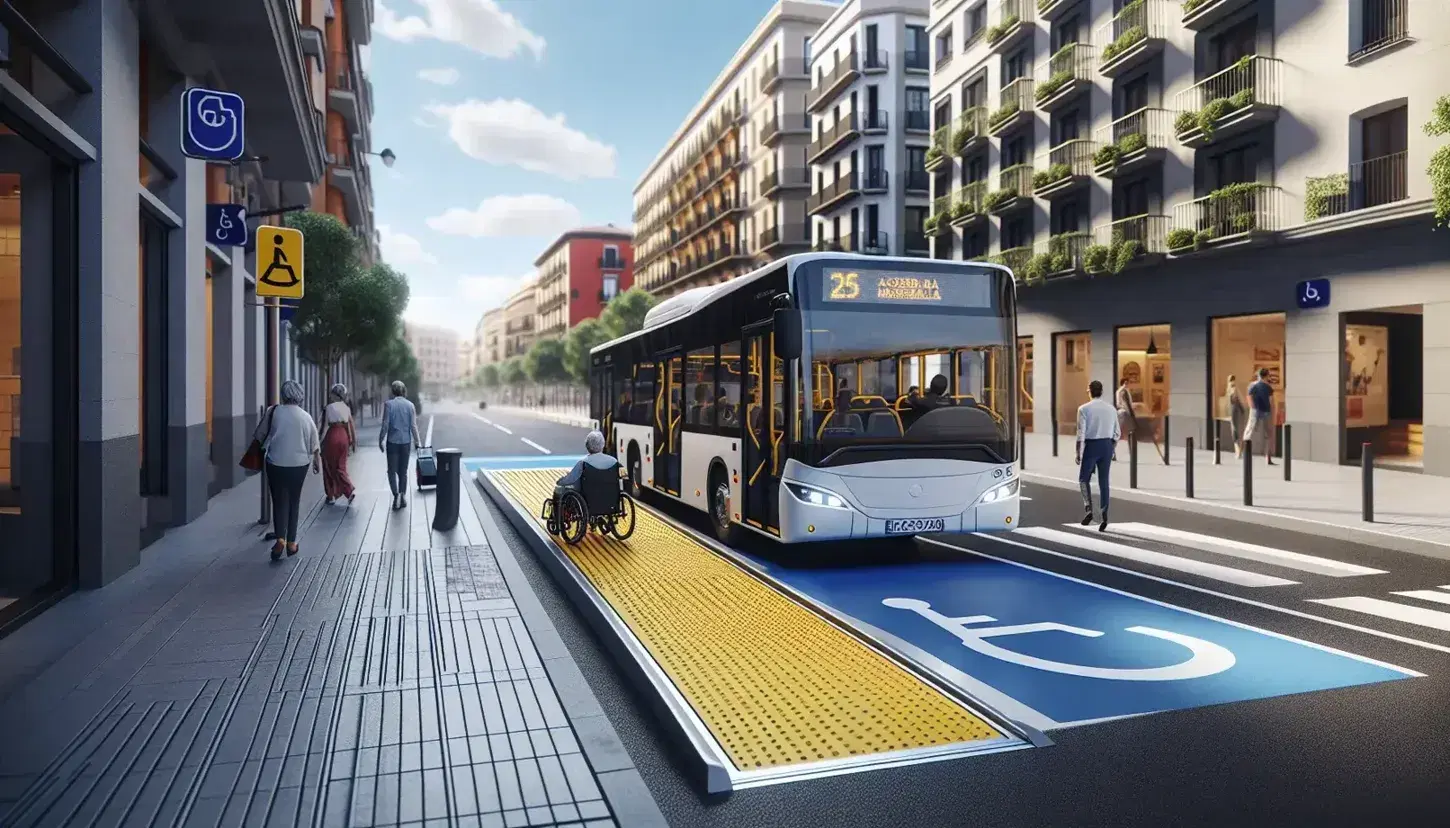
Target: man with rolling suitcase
x=398, y=434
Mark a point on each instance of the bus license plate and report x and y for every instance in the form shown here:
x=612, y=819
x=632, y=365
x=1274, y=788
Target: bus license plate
x=915, y=526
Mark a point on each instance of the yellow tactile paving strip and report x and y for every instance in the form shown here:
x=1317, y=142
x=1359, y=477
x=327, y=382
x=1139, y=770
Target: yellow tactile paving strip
x=776, y=684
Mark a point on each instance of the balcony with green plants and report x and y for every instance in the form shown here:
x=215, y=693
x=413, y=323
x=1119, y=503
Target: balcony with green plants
x=1066, y=75
x=1229, y=102
x=1124, y=243
x=970, y=132
x=1063, y=168
x=936, y=152
x=1014, y=190
x=1368, y=184
x=1199, y=15
x=1135, y=35
x=1013, y=257
x=1234, y=212
x=1016, y=21
x=1132, y=142
x=967, y=204
x=1050, y=10
x=1015, y=109
x=937, y=224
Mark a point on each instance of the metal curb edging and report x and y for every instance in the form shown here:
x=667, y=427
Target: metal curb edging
x=1249, y=515
x=539, y=625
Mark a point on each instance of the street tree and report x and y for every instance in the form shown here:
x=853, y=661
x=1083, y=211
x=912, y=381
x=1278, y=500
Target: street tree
x=583, y=338
x=625, y=313
x=488, y=376
x=544, y=362
x=513, y=373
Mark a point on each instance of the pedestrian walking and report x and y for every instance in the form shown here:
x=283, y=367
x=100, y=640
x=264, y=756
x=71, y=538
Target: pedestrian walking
x=288, y=436
x=398, y=435
x=1260, y=429
x=1238, y=413
x=1127, y=417
x=339, y=439
x=1097, y=439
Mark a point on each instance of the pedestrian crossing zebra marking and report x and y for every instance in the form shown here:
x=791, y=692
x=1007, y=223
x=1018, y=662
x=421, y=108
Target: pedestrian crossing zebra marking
x=1392, y=610
x=1248, y=551
x=1226, y=574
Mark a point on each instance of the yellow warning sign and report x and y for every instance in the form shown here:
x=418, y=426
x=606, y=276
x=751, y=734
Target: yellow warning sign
x=279, y=262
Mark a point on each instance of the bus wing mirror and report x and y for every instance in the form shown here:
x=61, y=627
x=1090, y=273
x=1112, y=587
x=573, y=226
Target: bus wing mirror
x=787, y=324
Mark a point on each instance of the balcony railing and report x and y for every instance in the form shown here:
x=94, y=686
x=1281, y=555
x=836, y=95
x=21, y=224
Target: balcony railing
x=914, y=60
x=936, y=151
x=612, y=262
x=1119, y=244
x=1383, y=23
x=1253, y=79
x=1129, y=135
x=1070, y=159
x=339, y=71
x=840, y=188
x=878, y=179
x=968, y=201
x=784, y=177
x=916, y=121
x=941, y=212
x=830, y=82
x=918, y=181
x=875, y=120
x=1012, y=16
x=971, y=125
x=1015, y=258
x=788, y=234
x=1125, y=35
x=1226, y=213
x=1059, y=255
x=1014, y=182
x=1016, y=98
x=874, y=61
x=830, y=138
x=1382, y=180
x=1061, y=72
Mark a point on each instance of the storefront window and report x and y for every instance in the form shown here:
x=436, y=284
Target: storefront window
x=1144, y=363
x=1384, y=385
x=1024, y=382
x=1241, y=345
x=1072, y=371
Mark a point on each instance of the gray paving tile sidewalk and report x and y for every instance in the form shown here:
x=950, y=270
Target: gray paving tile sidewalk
x=384, y=676
x=1412, y=510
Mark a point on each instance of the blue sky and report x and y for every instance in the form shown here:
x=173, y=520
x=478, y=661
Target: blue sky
x=515, y=119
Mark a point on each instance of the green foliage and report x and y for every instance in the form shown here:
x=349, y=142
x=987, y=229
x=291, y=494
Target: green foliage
x=1004, y=112
x=1439, y=169
x=1124, y=41
x=625, y=313
x=1132, y=142
x=1047, y=88
x=960, y=138
x=1319, y=191
x=1114, y=257
x=998, y=199
x=1095, y=258
x=1051, y=175
x=513, y=373
x=930, y=225
x=1000, y=30
x=961, y=209
x=933, y=154
x=583, y=338
x=1184, y=122
x=1190, y=5
x=1043, y=4
x=1179, y=238
x=488, y=376
x=1107, y=156
x=544, y=363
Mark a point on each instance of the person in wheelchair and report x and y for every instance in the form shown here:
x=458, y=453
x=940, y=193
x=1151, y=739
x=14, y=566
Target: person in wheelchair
x=589, y=496
x=595, y=458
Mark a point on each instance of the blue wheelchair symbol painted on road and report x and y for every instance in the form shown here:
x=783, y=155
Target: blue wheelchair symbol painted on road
x=213, y=125
x=1312, y=293
x=226, y=225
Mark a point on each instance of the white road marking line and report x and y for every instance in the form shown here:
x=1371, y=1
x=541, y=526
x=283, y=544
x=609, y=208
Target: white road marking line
x=1426, y=595
x=536, y=445
x=501, y=428
x=1227, y=574
x=1322, y=647
x=1344, y=625
x=1419, y=616
x=1247, y=551
x=481, y=418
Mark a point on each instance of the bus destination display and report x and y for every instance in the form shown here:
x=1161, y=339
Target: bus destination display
x=885, y=287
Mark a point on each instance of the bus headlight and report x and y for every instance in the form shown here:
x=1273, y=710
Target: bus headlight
x=816, y=497
x=999, y=493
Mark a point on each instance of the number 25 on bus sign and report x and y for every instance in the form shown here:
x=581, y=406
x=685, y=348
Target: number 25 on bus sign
x=845, y=286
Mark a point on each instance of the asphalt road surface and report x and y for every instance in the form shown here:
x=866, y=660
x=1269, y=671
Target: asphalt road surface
x=1369, y=752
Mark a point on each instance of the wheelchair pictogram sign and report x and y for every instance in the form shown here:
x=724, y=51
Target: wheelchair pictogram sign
x=1205, y=657
x=279, y=262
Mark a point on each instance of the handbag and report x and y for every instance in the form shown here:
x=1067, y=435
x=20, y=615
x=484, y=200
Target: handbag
x=254, y=458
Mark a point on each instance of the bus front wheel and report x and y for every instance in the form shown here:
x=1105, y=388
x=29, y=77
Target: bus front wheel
x=725, y=529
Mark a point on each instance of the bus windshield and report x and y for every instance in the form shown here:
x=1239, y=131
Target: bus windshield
x=913, y=361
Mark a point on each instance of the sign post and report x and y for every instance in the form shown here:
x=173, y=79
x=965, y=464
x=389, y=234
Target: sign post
x=280, y=276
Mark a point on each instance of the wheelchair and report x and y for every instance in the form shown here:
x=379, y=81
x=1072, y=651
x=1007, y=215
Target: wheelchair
x=599, y=504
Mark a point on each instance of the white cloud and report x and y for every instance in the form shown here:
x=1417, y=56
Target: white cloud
x=442, y=77
x=401, y=249
x=462, y=310
x=514, y=132
x=521, y=215
x=479, y=25
x=490, y=291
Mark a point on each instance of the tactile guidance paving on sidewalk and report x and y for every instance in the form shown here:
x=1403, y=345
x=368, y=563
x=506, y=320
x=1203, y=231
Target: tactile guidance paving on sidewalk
x=389, y=688
x=773, y=682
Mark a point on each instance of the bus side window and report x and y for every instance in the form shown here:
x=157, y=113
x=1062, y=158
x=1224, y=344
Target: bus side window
x=727, y=404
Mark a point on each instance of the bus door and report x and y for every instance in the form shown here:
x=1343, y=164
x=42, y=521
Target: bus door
x=764, y=430
x=603, y=394
x=669, y=390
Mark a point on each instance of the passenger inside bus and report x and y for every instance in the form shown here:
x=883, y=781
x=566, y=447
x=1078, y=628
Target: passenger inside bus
x=842, y=421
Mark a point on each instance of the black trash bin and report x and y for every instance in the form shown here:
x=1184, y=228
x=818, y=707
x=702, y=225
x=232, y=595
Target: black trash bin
x=445, y=500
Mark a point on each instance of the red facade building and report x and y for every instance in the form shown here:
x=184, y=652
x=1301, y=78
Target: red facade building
x=579, y=273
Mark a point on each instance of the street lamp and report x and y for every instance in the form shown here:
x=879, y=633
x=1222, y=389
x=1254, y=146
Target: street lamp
x=387, y=156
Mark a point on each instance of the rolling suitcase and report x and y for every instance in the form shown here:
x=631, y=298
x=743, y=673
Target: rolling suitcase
x=427, y=467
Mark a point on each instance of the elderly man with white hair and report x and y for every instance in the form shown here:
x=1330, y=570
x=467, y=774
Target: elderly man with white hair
x=594, y=458
x=397, y=436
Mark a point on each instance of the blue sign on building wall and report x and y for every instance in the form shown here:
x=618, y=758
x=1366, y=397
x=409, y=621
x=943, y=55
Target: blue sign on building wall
x=226, y=225
x=1312, y=293
x=213, y=125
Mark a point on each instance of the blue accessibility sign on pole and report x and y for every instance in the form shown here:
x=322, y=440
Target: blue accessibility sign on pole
x=226, y=225
x=213, y=125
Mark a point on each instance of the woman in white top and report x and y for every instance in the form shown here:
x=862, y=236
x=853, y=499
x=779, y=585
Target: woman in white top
x=289, y=439
x=338, y=438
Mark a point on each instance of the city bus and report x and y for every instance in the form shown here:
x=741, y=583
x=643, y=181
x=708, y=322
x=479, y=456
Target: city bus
x=824, y=396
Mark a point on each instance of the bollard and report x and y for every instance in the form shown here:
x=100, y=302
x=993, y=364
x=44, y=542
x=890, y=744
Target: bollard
x=1054, y=436
x=445, y=500
x=1022, y=447
x=1133, y=462
x=1188, y=469
x=1217, y=443
x=1167, y=441
x=1366, y=474
x=1248, y=452
x=1287, y=448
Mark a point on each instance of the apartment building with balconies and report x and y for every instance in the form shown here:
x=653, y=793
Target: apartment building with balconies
x=520, y=320
x=728, y=192
x=868, y=100
x=335, y=33
x=491, y=336
x=1198, y=190
x=437, y=352
x=579, y=273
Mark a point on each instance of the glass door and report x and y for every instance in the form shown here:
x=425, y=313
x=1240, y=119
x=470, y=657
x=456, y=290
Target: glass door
x=765, y=430
x=667, y=421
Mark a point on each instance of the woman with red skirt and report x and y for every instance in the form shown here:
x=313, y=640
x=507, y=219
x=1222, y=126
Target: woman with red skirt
x=339, y=438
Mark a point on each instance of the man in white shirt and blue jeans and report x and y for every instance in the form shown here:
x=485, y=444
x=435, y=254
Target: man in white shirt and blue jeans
x=1097, y=436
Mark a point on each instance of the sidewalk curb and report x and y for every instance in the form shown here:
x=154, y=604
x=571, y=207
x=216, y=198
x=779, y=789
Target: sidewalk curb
x=1251, y=515
x=619, y=779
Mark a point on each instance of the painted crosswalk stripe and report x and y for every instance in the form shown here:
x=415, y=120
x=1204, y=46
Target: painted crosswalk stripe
x=1247, y=551
x=1430, y=595
x=1394, y=611
x=1227, y=574
x=535, y=445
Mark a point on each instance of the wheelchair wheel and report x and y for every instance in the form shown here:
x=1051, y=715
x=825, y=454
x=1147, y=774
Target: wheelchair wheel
x=623, y=523
x=573, y=518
